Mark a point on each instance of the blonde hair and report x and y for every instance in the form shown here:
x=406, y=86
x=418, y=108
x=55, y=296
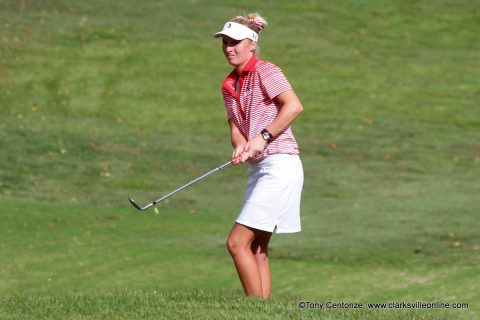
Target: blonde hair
x=252, y=20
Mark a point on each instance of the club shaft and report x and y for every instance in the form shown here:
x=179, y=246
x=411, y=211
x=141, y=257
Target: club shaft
x=188, y=184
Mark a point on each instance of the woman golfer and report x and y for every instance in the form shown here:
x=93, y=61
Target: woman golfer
x=261, y=106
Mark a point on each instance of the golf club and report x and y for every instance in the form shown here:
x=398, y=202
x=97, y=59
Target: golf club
x=179, y=189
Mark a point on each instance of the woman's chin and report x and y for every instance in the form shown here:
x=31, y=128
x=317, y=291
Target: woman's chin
x=231, y=61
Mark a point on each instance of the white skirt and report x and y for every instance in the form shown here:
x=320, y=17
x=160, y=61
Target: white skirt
x=272, y=199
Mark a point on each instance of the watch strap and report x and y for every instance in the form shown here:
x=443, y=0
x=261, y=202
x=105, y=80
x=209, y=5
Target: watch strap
x=266, y=135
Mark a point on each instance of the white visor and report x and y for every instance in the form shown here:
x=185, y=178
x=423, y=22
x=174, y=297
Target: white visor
x=237, y=31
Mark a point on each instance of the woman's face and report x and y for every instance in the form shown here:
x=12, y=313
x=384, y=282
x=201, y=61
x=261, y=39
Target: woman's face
x=237, y=52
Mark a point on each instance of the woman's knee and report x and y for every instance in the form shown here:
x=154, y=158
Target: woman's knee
x=231, y=246
x=240, y=239
x=235, y=245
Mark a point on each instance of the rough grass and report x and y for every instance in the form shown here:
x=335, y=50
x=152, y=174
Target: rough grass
x=188, y=304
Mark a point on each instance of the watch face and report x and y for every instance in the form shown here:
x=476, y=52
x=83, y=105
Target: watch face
x=266, y=136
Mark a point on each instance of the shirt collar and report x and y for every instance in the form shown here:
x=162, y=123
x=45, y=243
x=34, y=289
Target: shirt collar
x=250, y=64
x=229, y=82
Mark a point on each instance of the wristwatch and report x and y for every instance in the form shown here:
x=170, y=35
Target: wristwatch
x=266, y=135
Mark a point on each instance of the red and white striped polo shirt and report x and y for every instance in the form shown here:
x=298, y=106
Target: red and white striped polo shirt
x=260, y=82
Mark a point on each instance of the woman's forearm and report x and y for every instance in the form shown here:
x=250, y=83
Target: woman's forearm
x=236, y=137
x=290, y=110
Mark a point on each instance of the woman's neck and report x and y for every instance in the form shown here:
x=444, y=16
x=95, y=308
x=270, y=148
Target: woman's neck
x=240, y=68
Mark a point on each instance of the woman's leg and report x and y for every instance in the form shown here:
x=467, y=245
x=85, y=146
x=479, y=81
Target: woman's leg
x=240, y=244
x=260, y=251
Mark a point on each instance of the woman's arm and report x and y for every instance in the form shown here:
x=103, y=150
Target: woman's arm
x=290, y=109
x=239, y=142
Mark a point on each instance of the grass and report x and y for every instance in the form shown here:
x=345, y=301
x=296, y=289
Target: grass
x=101, y=101
x=185, y=304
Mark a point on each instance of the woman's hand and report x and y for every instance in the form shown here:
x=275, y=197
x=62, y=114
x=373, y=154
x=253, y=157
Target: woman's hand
x=256, y=146
x=251, y=149
x=244, y=152
x=239, y=153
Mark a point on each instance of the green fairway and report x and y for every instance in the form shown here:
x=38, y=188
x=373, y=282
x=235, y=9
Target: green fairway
x=102, y=100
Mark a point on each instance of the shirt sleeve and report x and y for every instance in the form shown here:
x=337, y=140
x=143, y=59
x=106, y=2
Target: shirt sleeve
x=228, y=104
x=273, y=81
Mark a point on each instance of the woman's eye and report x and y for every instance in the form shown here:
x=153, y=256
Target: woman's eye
x=230, y=43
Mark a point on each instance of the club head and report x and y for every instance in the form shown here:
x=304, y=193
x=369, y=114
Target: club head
x=134, y=204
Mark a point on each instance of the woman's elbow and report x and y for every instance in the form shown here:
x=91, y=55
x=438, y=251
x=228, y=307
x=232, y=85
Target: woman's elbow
x=298, y=109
